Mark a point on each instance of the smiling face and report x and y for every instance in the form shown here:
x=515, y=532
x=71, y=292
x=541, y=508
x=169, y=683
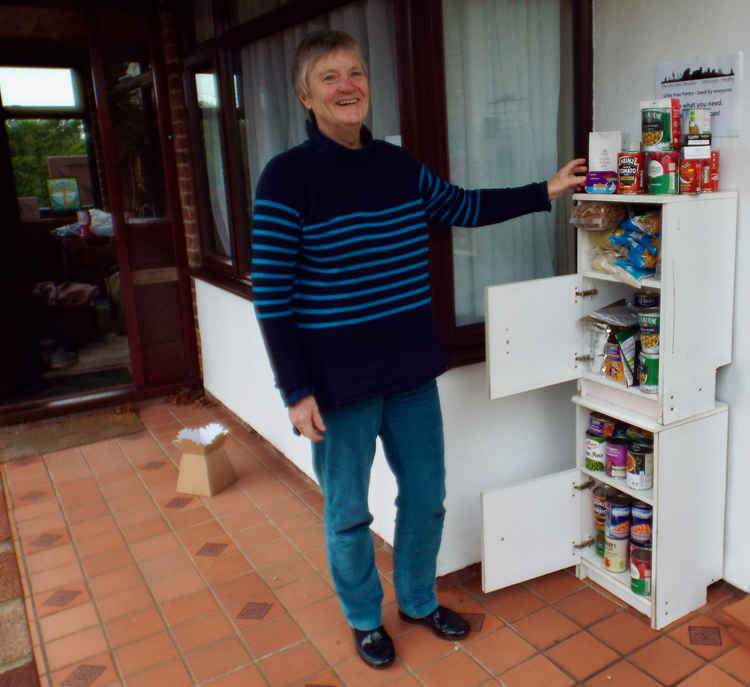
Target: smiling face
x=338, y=94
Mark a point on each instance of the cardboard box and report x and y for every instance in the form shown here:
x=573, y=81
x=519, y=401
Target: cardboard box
x=204, y=465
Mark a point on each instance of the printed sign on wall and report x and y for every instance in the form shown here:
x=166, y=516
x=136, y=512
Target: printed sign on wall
x=712, y=83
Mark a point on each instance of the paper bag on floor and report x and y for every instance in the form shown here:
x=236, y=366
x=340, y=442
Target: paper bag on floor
x=204, y=465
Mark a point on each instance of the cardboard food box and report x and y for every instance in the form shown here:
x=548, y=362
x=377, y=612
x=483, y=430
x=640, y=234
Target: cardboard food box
x=204, y=465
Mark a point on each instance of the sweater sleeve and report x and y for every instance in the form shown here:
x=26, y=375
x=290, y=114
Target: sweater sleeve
x=275, y=246
x=449, y=204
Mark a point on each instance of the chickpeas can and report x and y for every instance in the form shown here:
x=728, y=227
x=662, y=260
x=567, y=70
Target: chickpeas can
x=661, y=172
x=630, y=172
x=615, y=554
x=648, y=323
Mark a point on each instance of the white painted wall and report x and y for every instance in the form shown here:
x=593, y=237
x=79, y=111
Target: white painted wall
x=488, y=443
x=630, y=38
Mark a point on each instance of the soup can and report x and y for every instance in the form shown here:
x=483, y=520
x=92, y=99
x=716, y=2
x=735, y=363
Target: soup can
x=691, y=176
x=661, y=172
x=615, y=554
x=640, y=473
x=648, y=372
x=595, y=452
x=640, y=569
x=630, y=172
x=641, y=516
x=648, y=322
x=616, y=453
x=617, y=523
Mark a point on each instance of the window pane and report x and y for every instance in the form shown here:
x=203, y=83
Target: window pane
x=38, y=87
x=509, y=98
x=139, y=162
x=207, y=89
x=271, y=115
x=43, y=149
x=203, y=19
x=241, y=11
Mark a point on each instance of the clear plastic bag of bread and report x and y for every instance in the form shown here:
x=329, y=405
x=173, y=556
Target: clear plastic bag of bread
x=594, y=215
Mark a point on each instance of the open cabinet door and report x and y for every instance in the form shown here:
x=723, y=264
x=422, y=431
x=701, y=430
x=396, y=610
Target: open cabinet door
x=530, y=529
x=533, y=334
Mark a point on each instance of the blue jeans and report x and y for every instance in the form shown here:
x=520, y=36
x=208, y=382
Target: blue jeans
x=410, y=426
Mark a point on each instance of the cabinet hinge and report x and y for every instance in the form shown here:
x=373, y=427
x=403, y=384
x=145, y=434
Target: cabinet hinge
x=583, y=358
x=587, y=292
x=583, y=544
x=586, y=485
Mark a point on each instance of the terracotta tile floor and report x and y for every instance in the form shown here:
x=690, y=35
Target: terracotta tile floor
x=129, y=583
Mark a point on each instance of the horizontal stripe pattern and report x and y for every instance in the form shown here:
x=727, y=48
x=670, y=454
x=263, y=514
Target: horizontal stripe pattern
x=446, y=203
x=345, y=270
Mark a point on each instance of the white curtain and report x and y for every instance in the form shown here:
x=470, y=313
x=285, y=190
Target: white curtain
x=502, y=60
x=276, y=119
x=208, y=102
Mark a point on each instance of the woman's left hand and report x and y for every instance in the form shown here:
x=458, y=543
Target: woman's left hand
x=571, y=176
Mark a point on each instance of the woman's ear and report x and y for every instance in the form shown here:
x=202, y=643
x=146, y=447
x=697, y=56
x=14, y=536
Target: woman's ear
x=305, y=100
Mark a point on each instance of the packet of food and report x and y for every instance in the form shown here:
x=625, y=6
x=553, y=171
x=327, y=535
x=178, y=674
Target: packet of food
x=631, y=274
x=618, y=314
x=597, y=216
x=596, y=334
x=627, y=340
x=643, y=249
x=647, y=222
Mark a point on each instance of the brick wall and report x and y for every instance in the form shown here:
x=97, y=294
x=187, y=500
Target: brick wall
x=181, y=143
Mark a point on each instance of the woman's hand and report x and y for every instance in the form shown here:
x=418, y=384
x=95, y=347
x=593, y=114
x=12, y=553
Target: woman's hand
x=306, y=417
x=572, y=175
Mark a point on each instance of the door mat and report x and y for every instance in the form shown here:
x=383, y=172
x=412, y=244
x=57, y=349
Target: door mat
x=33, y=439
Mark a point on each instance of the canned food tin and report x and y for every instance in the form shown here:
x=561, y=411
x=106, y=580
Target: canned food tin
x=640, y=569
x=617, y=524
x=640, y=474
x=595, y=451
x=601, y=425
x=661, y=172
x=646, y=299
x=648, y=372
x=711, y=177
x=615, y=554
x=613, y=365
x=691, y=176
x=616, y=453
x=630, y=172
x=648, y=322
x=660, y=124
x=641, y=515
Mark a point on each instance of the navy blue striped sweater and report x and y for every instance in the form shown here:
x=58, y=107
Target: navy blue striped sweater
x=340, y=265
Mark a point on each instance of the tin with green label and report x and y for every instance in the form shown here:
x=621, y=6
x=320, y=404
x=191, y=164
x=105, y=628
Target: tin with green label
x=648, y=372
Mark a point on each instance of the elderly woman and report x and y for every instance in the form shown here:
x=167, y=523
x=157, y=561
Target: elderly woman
x=342, y=286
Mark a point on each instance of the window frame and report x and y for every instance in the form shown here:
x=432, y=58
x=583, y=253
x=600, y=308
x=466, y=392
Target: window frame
x=81, y=88
x=423, y=118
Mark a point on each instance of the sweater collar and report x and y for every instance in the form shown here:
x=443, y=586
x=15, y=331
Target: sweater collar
x=325, y=144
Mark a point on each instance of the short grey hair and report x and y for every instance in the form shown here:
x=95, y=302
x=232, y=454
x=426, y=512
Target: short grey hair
x=313, y=47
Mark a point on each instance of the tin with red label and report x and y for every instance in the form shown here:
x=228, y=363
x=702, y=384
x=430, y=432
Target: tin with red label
x=640, y=569
x=630, y=172
x=691, y=176
x=711, y=179
x=661, y=172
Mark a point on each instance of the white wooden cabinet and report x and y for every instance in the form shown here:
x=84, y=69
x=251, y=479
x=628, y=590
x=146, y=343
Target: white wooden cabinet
x=535, y=339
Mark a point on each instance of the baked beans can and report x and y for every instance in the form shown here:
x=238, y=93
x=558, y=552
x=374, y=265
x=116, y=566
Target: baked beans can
x=630, y=172
x=617, y=523
x=661, y=172
x=615, y=554
x=640, y=569
x=601, y=425
x=640, y=473
x=691, y=176
x=641, y=516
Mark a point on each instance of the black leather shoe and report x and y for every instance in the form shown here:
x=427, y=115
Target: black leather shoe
x=374, y=647
x=445, y=623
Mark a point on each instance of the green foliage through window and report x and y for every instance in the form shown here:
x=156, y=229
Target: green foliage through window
x=32, y=141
